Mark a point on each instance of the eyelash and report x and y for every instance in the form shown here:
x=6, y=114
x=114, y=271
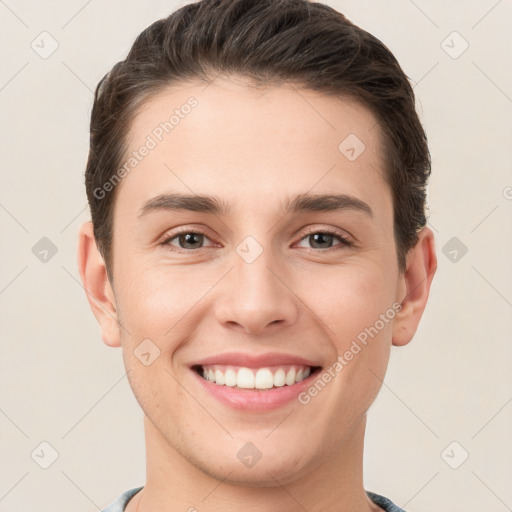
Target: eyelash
x=345, y=242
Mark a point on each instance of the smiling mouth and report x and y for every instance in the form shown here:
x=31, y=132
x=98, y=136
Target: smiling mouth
x=255, y=378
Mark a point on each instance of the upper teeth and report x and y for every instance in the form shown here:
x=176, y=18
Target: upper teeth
x=252, y=378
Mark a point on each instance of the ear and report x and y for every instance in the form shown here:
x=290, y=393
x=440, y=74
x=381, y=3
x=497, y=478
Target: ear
x=100, y=293
x=414, y=287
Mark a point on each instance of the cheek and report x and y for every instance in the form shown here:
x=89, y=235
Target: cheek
x=156, y=300
x=152, y=306
x=350, y=299
x=356, y=306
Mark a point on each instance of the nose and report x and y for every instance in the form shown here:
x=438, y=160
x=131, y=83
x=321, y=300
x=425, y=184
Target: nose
x=257, y=296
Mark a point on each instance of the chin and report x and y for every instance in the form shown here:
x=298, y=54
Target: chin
x=270, y=465
x=262, y=474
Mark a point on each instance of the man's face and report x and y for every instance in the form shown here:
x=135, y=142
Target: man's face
x=256, y=286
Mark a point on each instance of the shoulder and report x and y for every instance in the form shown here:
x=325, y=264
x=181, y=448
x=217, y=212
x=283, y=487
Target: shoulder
x=120, y=503
x=383, y=502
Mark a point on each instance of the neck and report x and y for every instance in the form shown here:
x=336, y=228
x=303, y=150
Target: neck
x=174, y=483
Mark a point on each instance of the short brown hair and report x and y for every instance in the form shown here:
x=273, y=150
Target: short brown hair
x=270, y=42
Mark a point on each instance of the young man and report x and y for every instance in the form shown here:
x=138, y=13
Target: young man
x=256, y=178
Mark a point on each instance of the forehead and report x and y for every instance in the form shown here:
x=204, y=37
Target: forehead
x=231, y=137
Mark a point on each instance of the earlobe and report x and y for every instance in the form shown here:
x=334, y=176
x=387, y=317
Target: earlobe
x=100, y=294
x=415, y=287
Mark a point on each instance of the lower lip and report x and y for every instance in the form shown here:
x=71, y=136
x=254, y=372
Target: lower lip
x=256, y=400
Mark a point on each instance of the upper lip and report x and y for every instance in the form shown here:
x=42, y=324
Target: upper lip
x=248, y=360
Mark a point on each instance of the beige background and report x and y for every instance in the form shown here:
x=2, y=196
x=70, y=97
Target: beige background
x=60, y=385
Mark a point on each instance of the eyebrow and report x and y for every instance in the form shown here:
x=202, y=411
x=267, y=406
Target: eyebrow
x=215, y=206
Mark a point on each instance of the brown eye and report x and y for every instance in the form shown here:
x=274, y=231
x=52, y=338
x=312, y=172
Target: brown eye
x=190, y=240
x=320, y=240
x=186, y=240
x=325, y=240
